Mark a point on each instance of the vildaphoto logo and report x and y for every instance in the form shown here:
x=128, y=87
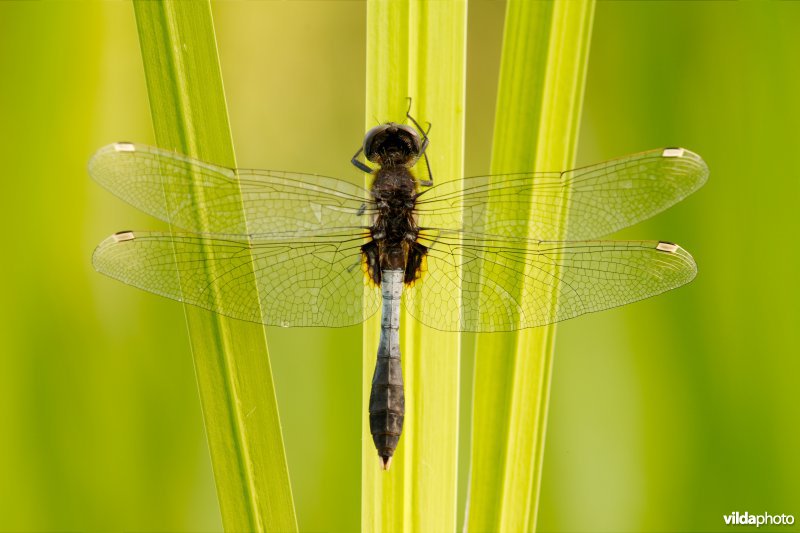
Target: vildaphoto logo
x=746, y=519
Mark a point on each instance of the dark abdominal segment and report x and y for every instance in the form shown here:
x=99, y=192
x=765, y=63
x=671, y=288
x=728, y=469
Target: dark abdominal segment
x=372, y=262
x=414, y=262
x=387, y=404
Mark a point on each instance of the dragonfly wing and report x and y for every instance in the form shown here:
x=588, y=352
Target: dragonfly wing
x=508, y=284
x=314, y=281
x=599, y=199
x=175, y=188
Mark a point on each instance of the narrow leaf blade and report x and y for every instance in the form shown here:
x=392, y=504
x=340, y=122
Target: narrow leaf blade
x=417, y=49
x=231, y=357
x=543, y=66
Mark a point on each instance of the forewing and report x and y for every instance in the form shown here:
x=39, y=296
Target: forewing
x=316, y=281
x=509, y=284
x=599, y=199
x=175, y=188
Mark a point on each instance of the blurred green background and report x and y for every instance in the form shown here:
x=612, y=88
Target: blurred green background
x=665, y=415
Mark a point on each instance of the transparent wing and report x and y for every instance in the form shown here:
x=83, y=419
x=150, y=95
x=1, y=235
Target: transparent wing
x=316, y=281
x=508, y=284
x=601, y=198
x=175, y=187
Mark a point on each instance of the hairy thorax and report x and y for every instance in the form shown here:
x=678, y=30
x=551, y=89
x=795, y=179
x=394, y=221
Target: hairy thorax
x=394, y=231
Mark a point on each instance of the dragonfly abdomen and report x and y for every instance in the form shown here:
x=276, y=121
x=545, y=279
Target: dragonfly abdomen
x=387, y=400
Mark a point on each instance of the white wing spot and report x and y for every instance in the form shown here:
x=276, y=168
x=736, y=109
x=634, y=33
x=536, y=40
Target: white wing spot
x=672, y=152
x=667, y=247
x=124, y=147
x=123, y=236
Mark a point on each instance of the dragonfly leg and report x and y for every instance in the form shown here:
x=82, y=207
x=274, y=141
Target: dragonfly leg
x=423, y=149
x=428, y=182
x=358, y=164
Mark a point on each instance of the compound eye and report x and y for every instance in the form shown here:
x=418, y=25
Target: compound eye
x=414, y=134
x=370, y=137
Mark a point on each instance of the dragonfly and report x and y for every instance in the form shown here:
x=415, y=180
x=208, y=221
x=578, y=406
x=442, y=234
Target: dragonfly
x=480, y=254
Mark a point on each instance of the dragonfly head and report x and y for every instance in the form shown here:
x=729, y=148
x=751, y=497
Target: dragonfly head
x=392, y=144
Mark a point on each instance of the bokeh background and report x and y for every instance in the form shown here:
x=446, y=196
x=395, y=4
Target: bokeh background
x=665, y=415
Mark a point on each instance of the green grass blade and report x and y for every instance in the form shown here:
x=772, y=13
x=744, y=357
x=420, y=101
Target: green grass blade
x=230, y=357
x=418, y=49
x=543, y=66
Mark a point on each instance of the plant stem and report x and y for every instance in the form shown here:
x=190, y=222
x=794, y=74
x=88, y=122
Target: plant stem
x=417, y=49
x=543, y=66
x=230, y=356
